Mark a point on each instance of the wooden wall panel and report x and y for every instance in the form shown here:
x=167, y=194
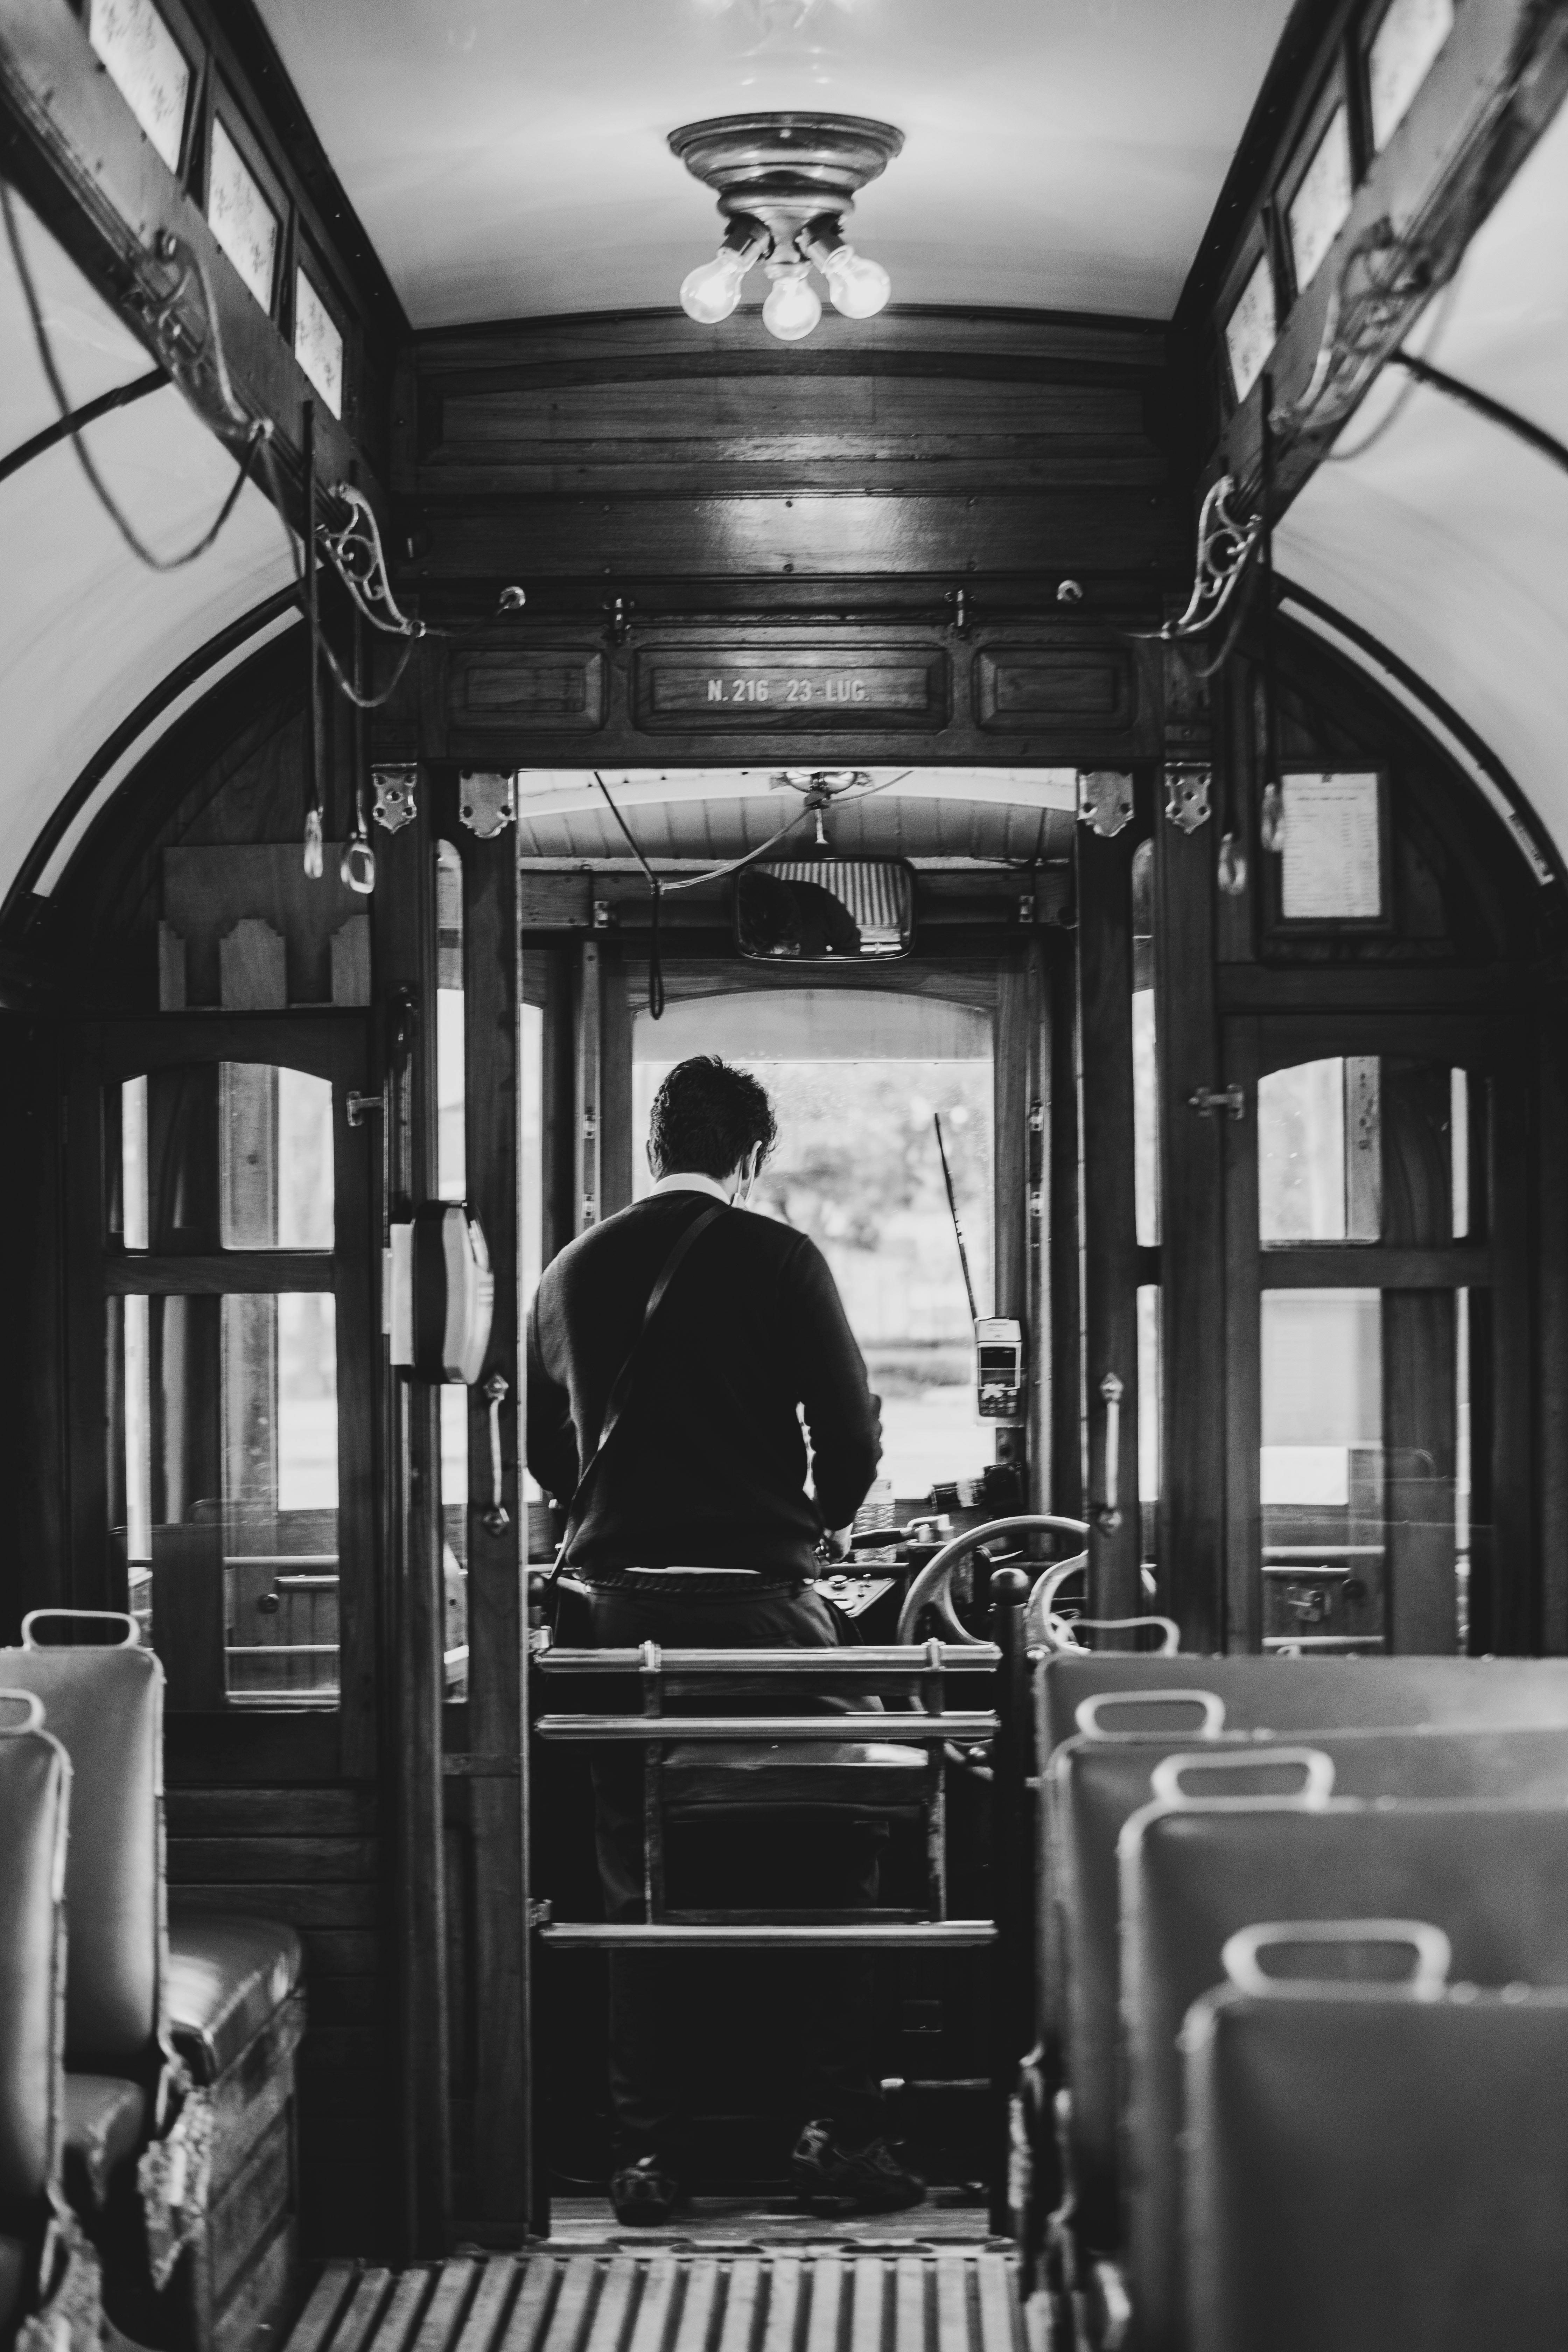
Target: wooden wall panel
x=638, y=447
x=310, y=1856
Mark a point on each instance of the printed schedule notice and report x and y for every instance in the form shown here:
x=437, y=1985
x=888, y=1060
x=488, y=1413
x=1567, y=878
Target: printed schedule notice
x=1333, y=849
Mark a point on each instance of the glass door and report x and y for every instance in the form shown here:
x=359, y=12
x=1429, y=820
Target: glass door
x=1374, y=1221
x=232, y=1242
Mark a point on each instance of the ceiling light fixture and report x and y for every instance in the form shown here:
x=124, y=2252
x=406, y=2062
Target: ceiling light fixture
x=785, y=184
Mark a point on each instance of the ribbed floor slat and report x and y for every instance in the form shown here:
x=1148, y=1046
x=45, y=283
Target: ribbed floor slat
x=439, y=2324
x=617, y=2298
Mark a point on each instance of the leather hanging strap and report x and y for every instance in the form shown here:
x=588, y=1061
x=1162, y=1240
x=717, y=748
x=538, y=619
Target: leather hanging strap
x=624, y=1380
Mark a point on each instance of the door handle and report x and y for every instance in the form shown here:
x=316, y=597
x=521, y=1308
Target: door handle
x=1106, y=1514
x=498, y=1518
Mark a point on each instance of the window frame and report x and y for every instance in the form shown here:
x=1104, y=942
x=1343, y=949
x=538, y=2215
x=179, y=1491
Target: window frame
x=330, y=1045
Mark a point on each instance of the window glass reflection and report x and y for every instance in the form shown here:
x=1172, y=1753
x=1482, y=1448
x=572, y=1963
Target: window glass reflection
x=1320, y=1152
x=856, y=1087
x=1321, y=1469
x=451, y=1080
x=229, y=1474
x=275, y=1157
x=1145, y=1053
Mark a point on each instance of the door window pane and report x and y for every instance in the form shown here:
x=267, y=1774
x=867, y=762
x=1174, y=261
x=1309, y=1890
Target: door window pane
x=1321, y=1482
x=1320, y=1152
x=275, y=1157
x=531, y=1244
x=230, y=1479
x=1145, y=1053
x=451, y=1076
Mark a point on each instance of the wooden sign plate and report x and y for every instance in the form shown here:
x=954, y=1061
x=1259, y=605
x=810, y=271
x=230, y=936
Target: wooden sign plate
x=498, y=692
x=784, y=688
x=1020, y=689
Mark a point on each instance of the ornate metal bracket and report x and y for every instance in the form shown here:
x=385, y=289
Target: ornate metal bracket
x=1187, y=794
x=1104, y=800
x=394, y=804
x=487, y=802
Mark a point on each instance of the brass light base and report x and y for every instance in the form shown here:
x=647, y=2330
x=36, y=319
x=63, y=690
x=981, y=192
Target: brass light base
x=784, y=170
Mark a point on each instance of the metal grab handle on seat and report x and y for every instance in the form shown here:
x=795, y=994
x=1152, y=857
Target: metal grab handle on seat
x=1086, y=1714
x=1107, y=1512
x=130, y=1641
x=498, y=1518
x=1429, y=1981
x=35, y=1711
x=1170, y=1647
x=1317, y=1776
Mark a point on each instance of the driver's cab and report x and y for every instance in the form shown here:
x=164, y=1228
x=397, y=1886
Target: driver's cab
x=912, y=1068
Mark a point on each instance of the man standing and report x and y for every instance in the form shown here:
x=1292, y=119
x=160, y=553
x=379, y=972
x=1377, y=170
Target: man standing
x=691, y=1525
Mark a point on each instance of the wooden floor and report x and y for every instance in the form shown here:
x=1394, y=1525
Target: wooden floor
x=676, y=2298
x=742, y=2223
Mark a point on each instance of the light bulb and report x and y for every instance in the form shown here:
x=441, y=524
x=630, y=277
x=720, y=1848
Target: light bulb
x=710, y=291
x=791, y=308
x=860, y=287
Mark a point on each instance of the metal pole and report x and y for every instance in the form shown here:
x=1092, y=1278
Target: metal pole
x=1011, y=1876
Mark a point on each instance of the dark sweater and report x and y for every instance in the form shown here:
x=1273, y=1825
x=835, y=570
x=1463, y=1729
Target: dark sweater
x=708, y=1465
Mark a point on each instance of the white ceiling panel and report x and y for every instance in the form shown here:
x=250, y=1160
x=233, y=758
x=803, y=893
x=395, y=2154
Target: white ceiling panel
x=1445, y=537
x=508, y=157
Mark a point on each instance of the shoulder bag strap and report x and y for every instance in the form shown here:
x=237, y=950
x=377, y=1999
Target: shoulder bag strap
x=621, y=1387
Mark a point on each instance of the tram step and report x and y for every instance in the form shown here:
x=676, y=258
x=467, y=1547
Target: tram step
x=666, y=2299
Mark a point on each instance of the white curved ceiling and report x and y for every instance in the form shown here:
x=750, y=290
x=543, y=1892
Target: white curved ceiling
x=86, y=631
x=1447, y=537
x=508, y=157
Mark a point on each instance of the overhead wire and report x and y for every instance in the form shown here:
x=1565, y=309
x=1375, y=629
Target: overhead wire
x=257, y=430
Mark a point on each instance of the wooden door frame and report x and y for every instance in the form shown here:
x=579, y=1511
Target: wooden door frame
x=333, y=1045
x=1253, y=1044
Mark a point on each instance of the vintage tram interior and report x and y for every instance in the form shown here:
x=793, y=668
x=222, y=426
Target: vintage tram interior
x=1068, y=690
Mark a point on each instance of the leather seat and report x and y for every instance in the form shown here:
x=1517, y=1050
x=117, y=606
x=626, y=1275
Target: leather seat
x=698, y=1775
x=1305, y=1693
x=1493, y=1877
x=35, y=1794
x=1092, y=1788
x=227, y=1978
x=12, y=2274
x=106, y=1707
x=104, y=2117
x=1365, y=2172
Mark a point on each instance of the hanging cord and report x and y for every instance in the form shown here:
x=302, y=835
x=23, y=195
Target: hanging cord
x=357, y=864
x=1271, y=821
x=313, y=826
x=257, y=430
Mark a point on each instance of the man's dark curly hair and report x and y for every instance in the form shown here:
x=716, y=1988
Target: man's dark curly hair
x=707, y=1117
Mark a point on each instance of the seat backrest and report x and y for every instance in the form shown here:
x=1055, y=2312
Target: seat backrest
x=1304, y=1694
x=1494, y=1878
x=105, y=1704
x=1093, y=1786
x=35, y=1794
x=1374, y=2173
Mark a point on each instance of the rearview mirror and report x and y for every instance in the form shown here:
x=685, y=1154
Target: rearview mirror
x=826, y=910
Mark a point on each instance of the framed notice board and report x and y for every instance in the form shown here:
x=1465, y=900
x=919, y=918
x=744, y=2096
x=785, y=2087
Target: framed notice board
x=1331, y=870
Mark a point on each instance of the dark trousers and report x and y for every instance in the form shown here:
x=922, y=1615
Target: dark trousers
x=832, y=1865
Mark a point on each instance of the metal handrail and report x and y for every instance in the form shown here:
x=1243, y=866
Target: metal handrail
x=903, y=1729
x=907, y=1660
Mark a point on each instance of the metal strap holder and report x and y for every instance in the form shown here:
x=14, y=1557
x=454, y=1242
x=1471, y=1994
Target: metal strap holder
x=1209, y=1100
x=497, y=1519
